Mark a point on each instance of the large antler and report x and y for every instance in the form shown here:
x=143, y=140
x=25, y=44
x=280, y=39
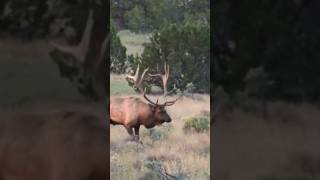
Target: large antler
x=167, y=103
x=79, y=51
x=164, y=77
x=137, y=80
x=145, y=96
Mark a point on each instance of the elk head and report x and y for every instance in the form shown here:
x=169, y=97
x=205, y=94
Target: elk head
x=160, y=114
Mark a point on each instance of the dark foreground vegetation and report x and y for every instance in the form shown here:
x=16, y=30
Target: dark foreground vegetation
x=49, y=126
x=266, y=90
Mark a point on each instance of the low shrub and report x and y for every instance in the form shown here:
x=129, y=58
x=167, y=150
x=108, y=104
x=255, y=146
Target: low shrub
x=158, y=134
x=196, y=124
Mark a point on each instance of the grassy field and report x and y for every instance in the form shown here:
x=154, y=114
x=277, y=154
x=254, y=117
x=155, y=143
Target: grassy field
x=133, y=42
x=183, y=155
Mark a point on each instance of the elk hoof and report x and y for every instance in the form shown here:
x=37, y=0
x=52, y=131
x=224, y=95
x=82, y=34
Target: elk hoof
x=133, y=138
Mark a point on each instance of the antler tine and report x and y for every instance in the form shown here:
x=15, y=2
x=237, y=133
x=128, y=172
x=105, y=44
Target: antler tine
x=80, y=51
x=164, y=77
x=135, y=76
x=138, y=80
x=170, y=103
x=166, y=69
x=143, y=74
x=145, y=96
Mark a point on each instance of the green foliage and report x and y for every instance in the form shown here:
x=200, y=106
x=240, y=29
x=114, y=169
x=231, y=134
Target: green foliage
x=280, y=36
x=117, y=52
x=149, y=15
x=137, y=21
x=70, y=68
x=186, y=48
x=26, y=19
x=196, y=124
x=257, y=82
x=34, y=19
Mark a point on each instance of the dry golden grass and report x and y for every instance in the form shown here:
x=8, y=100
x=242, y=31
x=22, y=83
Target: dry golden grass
x=182, y=155
x=286, y=144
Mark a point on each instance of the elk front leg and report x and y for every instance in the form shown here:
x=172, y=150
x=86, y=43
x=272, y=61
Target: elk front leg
x=136, y=132
x=130, y=132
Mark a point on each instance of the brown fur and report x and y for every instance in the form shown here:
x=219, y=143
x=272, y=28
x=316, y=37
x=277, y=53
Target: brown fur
x=132, y=112
x=55, y=146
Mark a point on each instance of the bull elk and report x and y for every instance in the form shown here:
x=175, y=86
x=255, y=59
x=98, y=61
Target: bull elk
x=132, y=112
